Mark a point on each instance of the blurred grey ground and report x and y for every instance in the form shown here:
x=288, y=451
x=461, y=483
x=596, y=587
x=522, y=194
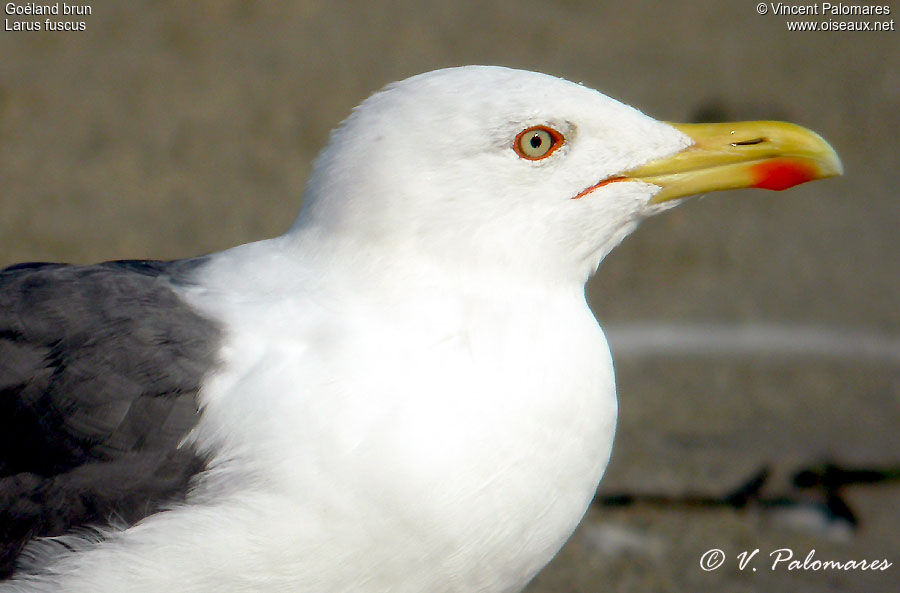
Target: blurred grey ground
x=169, y=129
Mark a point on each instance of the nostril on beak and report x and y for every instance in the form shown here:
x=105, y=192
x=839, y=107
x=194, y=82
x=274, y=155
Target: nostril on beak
x=749, y=142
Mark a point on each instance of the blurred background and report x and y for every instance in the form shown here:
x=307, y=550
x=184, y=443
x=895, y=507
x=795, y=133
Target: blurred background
x=170, y=129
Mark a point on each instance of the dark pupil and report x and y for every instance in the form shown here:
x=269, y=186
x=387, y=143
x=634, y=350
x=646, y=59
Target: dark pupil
x=536, y=141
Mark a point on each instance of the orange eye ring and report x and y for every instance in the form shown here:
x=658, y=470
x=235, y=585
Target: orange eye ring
x=537, y=142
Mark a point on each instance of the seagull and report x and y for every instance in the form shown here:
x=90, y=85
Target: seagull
x=405, y=392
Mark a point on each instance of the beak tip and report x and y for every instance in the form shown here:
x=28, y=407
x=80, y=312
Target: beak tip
x=837, y=165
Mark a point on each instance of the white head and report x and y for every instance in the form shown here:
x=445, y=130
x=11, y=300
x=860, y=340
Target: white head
x=431, y=166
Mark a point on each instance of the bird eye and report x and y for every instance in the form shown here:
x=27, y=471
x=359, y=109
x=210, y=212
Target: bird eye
x=537, y=142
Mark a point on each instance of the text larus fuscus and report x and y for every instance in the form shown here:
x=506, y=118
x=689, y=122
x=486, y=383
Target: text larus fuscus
x=406, y=392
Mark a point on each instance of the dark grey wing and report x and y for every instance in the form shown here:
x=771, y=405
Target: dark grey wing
x=100, y=367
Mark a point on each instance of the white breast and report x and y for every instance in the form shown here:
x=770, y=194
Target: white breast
x=405, y=447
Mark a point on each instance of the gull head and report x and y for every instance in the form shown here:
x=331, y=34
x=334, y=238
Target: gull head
x=516, y=172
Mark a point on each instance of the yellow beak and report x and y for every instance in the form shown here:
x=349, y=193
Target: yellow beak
x=763, y=154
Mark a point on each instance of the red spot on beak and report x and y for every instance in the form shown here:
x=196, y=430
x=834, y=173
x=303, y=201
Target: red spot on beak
x=779, y=174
